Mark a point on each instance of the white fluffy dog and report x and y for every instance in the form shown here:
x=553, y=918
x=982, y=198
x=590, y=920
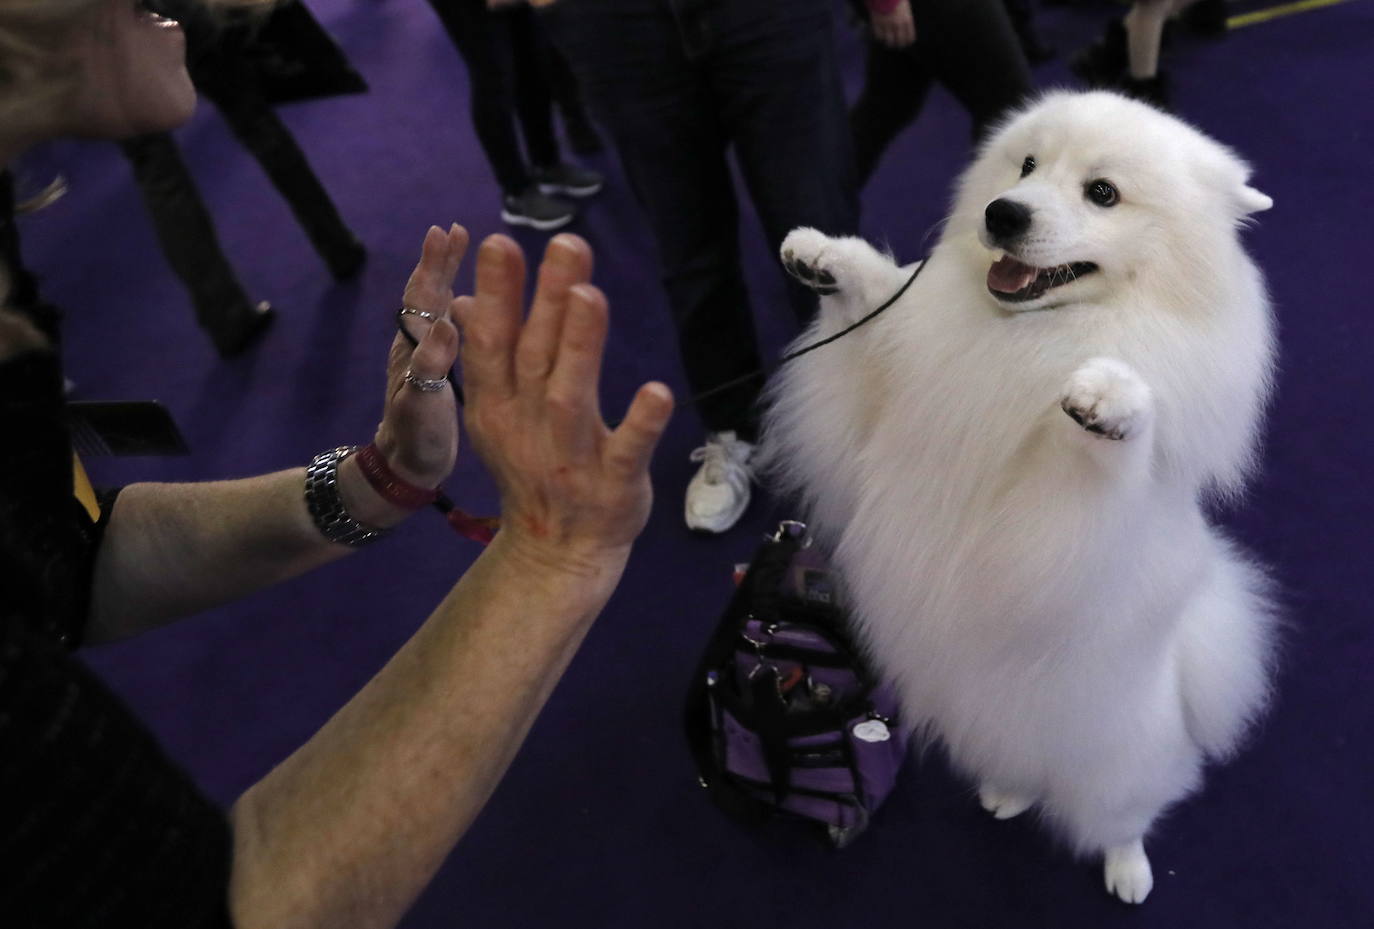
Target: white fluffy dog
x=1011, y=466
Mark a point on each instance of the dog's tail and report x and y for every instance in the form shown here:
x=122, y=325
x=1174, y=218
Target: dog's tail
x=1227, y=652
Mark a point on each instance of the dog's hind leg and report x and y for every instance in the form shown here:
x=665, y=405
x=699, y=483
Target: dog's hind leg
x=1003, y=805
x=1126, y=869
x=852, y=277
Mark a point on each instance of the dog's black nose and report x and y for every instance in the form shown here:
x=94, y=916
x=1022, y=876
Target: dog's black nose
x=1007, y=219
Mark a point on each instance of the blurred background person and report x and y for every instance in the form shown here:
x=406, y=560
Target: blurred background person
x=969, y=46
x=1022, y=15
x=220, y=60
x=677, y=85
x=508, y=62
x=1126, y=58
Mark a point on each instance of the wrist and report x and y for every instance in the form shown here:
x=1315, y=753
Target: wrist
x=363, y=502
x=594, y=572
x=399, y=464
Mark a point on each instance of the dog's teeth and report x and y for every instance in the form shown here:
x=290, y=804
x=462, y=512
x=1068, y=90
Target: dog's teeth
x=998, y=254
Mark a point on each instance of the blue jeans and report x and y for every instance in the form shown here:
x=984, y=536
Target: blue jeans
x=678, y=84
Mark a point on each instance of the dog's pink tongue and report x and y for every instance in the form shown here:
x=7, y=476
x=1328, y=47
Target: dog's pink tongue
x=1008, y=275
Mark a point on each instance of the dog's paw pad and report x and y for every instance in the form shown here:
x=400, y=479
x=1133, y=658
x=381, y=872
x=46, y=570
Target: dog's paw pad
x=1126, y=870
x=1003, y=805
x=812, y=258
x=1106, y=398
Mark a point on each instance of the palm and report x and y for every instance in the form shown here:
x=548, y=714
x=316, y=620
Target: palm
x=569, y=486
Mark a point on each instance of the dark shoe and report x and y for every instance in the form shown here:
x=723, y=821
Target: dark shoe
x=532, y=208
x=235, y=343
x=346, y=262
x=1104, y=62
x=568, y=180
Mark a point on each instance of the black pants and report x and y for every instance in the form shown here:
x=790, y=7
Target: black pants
x=183, y=224
x=187, y=235
x=967, y=45
x=507, y=63
x=677, y=85
x=256, y=124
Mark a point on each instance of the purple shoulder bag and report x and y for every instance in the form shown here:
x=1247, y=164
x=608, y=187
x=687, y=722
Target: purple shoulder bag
x=784, y=717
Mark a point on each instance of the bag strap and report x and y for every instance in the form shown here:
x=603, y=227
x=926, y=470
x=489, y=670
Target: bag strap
x=763, y=577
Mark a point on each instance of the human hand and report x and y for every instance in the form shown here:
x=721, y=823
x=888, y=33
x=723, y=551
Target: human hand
x=574, y=494
x=418, y=434
x=896, y=28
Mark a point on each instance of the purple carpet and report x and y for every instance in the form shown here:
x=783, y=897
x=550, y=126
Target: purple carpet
x=600, y=821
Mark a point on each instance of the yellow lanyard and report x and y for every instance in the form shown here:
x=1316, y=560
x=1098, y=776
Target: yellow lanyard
x=82, y=489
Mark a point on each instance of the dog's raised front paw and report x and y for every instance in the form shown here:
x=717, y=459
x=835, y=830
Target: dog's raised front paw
x=1127, y=872
x=1003, y=805
x=1107, y=398
x=810, y=256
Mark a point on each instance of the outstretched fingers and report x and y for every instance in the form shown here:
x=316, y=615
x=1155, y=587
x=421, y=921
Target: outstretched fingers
x=571, y=389
x=567, y=262
x=631, y=445
x=457, y=248
x=490, y=319
x=431, y=283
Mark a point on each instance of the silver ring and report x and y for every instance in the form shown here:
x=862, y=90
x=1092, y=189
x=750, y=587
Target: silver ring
x=423, y=314
x=427, y=385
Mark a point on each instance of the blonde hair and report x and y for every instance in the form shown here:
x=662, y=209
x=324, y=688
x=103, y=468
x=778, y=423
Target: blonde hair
x=33, y=71
x=31, y=33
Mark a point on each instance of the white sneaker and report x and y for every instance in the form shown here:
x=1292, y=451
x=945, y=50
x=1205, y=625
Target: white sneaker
x=719, y=492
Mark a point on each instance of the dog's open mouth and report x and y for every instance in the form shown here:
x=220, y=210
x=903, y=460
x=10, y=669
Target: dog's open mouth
x=1015, y=281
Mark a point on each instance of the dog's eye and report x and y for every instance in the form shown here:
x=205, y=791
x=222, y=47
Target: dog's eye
x=1102, y=192
x=1028, y=165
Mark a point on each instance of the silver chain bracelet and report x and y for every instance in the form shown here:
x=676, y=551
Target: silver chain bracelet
x=326, y=506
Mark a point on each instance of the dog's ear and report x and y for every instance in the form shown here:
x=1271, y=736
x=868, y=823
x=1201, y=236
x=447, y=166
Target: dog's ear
x=1253, y=201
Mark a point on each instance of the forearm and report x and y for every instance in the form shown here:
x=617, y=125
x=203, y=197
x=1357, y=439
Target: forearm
x=174, y=549
x=349, y=828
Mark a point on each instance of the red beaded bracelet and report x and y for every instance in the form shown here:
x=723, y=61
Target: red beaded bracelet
x=392, y=488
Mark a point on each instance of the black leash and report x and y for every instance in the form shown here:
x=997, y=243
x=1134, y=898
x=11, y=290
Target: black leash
x=763, y=373
x=733, y=382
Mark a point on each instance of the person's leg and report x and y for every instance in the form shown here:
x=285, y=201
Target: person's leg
x=265, y=136
x=664, y=123
x=534, y=103
x=1022, y=18
x=973, y=50
x=533, y=96
x=567, y=94
x=659, y=111
x=682, y=181
x=1144, y=31
x=896, y=82
x=783, y=105
x=187, y=235
x=481, y=42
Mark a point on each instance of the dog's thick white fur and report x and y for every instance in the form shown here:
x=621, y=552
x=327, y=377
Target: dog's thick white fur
x=1013, y=485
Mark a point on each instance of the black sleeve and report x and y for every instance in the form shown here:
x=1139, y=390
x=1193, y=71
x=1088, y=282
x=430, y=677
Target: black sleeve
x=47, y=541
x=97, y=826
